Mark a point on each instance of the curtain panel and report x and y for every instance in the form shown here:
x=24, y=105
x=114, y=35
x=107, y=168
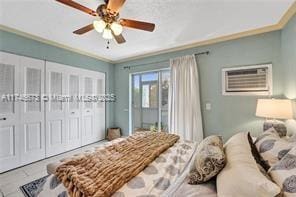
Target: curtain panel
x=185, y=117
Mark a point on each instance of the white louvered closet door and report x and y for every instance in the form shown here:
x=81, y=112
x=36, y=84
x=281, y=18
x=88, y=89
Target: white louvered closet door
x=9, y=112
x=73, y=110
x=88, y=125
x=56, y=131
x=100, y=107
x=32, y=133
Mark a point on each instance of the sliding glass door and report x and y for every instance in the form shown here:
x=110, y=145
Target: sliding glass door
x=149, y=102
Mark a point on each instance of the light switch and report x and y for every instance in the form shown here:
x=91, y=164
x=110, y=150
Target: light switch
x=208, y=106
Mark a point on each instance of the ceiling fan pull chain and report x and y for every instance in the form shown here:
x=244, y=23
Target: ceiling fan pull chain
x=108, y=43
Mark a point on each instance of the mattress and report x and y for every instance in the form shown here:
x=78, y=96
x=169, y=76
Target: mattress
x=166, y=176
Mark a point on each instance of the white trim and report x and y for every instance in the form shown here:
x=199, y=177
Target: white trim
x=130, y=105
x=159, y=100
x=55, y=44
x=131, y=95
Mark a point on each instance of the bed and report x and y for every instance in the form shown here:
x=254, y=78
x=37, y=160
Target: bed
x=166, y=175
x=159, y=164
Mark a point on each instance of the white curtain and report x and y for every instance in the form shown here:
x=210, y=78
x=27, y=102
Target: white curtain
x=184, y=101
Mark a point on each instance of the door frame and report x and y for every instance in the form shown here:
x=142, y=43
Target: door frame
x=130, y=104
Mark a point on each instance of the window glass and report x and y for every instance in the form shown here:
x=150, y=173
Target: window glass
x=145, y=96
x=136, y=91
x=149, y=103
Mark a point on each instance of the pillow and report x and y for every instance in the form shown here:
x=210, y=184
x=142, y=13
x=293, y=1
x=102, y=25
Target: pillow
x=215, y=140
x=278, y=126
x=241, y=176
x=259, y=160
x=209, y=160
x=292, y=138
x=284, y=173
x=268, y=132
x=271, y=147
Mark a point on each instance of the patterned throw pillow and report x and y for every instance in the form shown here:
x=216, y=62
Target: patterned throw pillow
x=284, y=173
x=271, y=147
x=214, y=140
x=209, y=161
x=278, y=126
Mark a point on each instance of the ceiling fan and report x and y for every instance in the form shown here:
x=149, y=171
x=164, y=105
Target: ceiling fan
x=108, y=21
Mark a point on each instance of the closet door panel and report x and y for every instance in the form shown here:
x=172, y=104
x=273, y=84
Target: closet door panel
x=7, y=134
x=88, y=126
x=33, y=137
x=55, y=133
x=56, y=89
x=8, y=83
x=9, y=112
x=56, y=128
x=32, y=110
x=73, y=112
x=74, y=129
x=9, y=149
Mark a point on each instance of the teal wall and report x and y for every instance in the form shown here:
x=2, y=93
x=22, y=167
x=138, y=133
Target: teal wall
x=13, y=43
x=288, y=48
x=229, y=114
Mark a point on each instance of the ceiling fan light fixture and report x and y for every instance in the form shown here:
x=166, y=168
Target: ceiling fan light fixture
x=107, y=20
x=107, y=34
x=116, y=28
x=99, y=25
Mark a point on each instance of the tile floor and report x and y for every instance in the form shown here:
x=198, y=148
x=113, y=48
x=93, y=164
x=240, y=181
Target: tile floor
x=11, y=181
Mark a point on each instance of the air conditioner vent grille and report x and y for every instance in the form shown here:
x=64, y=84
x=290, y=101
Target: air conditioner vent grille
x=249, y=79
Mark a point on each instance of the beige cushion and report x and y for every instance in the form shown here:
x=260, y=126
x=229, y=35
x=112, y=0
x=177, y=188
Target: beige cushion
x=284, y=173
x=241, y=177
x=209, y=160
x=271, y=147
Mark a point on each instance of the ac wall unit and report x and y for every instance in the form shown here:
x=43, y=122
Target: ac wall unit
x=247, y=80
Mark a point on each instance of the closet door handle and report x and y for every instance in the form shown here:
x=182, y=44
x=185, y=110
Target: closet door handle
x=2, y=118
x=73, y=112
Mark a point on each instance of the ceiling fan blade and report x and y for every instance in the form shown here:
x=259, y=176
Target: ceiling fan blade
x=84, y=29
x=115, y=5
x=78, y=6
x=119, y=39
x=137, y=24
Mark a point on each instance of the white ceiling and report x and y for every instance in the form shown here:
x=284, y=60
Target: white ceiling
x=178, y=22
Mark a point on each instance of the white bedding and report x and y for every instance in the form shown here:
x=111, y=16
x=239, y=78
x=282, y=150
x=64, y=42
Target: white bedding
x=166, y=176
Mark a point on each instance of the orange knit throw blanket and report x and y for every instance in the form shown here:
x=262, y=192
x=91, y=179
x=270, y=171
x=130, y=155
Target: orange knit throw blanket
x=104, y=171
